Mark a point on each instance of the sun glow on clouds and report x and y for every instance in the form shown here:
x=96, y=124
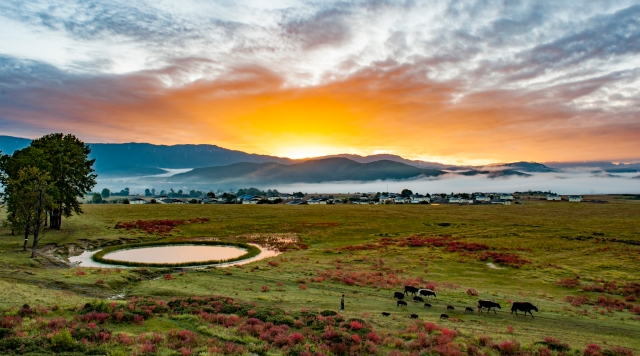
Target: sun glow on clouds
x=459, y=82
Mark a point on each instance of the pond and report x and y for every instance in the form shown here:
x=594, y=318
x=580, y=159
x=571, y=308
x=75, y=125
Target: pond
x=176, y=254
x=198, y=253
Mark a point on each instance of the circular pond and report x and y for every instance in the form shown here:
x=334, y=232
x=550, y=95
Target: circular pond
x=176, y=254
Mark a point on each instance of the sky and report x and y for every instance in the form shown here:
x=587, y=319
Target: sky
x=458, y=82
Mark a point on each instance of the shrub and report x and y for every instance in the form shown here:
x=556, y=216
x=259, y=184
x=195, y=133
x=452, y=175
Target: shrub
x=510, y=329
x=555, y=344
x=484, y=340
x=273, y=263
x=355, y=325
x=618, y=351
x=168, y=277
x=569, y=282
x=303, y=286
x=328, y=313
x=635, y=309
x=509, y=348
x=62, y=341
x=593, y=350
x=472, y=292
x=265, y=289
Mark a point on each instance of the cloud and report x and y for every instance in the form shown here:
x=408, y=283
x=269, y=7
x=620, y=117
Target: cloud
x=446, y=80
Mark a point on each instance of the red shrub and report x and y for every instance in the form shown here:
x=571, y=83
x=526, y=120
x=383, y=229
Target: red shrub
x=472, y=292
x=355, y=325
x=510, y=329
x=148, y=348
x=620, y=351
x=303, y=286
x=80, y=272
x=613, y=303
x=509, y=348
x=569, y=282
x=543, y=351
x=631, y=298
x=126, y=340
x=356, y=338
x=265, y=288
x=373, y=337
x=635, y=309
x=577, y=301
x=506, y=259
x=168, y=276
x=296, y=338
x=273, y=263
x=593, y=350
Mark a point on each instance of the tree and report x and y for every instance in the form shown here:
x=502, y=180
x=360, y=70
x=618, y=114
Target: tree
x=147, y=193
x=106, y=193
x=211, y=195
x=30, y=192
x=70, y=170
x=97, y=198
x=406, y=193
x=298, y=195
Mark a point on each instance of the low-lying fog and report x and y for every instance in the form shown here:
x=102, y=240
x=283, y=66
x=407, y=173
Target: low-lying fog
x=562, y=183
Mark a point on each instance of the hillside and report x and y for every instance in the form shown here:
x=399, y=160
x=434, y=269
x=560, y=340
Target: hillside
x=314, y=171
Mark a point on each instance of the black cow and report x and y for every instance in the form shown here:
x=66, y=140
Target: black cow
x=427, y=293
x=488, y=304
x=418, y=299
x=427, y=305
x=449, y=307
x=468, y=309
x=401, y=302
x=398, y=295
x=385, y=314
x=410, y=289
x=526, y=307
x=414, y=316
x=444, y=316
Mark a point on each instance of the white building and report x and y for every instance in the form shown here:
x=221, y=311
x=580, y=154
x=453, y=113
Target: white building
x=137, y=201
x=575, y=198
x=506, y=197
x=554, y=197
x=482, y=198
x=455, y=200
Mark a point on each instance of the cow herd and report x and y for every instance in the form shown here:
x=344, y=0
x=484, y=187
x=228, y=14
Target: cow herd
x=419, y=293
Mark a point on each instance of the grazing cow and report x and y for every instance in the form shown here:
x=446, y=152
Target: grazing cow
x=418, y=299
x=449, y=307
x=488, y=304
x=401, y=302
x=414, y=316
x=385, y=314
x=427, y=293
x=398, y=295
x=526, y=307
x=410, y=289
x=468, y=309
x=427, y=305
x=444, y=316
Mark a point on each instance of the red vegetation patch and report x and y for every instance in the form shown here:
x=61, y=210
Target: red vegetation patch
x=160, y=227
x=569, y=282
x=321, y=224
x=576, y=301
x=472, y=292
x=506, y=259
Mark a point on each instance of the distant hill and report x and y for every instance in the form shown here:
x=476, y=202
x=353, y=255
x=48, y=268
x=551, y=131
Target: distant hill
x=383, y=157
x=8, y=144
x=313, y=171
x=495, y=173
x=531, y=167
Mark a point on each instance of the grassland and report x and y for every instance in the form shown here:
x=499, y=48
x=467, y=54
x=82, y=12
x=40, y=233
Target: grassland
x=364, y=252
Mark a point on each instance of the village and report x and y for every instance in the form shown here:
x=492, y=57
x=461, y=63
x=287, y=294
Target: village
x=405, y=197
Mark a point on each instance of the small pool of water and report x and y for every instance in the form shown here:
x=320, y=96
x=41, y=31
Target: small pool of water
x=84, y=259
x=176, y=254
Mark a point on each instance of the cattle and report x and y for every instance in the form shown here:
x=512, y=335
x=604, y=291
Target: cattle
x=427, y=293
x=444, y=316
x=449, y=307
x=418, y=299
x=401, y=302
x=427, y=305
x=385, y=314
x=398, y=295
x=410, y=289
x=468, y=309
x=488, y=304
x=414, y=316
x=526, y=307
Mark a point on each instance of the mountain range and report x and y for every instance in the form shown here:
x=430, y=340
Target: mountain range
x=214, y=164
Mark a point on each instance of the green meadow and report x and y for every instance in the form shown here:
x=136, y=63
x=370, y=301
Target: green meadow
x=579, y=263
